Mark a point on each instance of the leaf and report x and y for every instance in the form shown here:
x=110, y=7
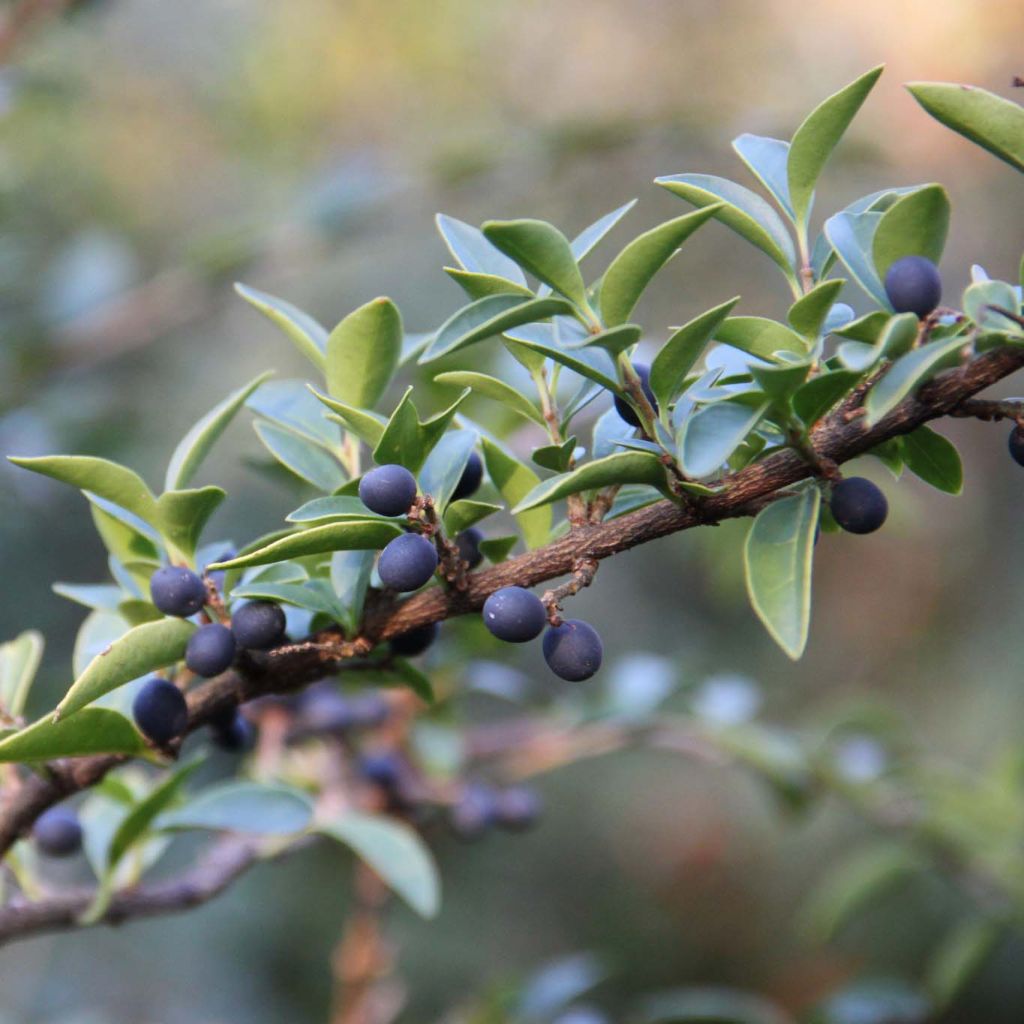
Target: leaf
x=778, y=555
x=818, y=136
x=707, y=1005
x=514, y=481
x=103, y=596
x=479, y=286
x=759, y=336
x=746, y=213
x=934, y=459
x=915, y=225
x=92, y=731
x=591, y=236
x=181, y=515
x=557, y=985
x=395, y=852
x=713, y=433
x=767, y=160
x=852, y=237
x=367, y=426
x=363, y=352
x=496, y=549
x=196, y=444
x=994, y=123
x=807, y=315
x=555, y=457
x=19, y=662
x=109, y=480
x=314, y=595
x=291, y=404
x=621, y=468
x=961, y=955
x=594, y=364
x=350, y=578
x=634, y=267
x=979, y=297
x=144, y=649
x=462, y=514
x=346, y=536
x=310, y=338
x=249, y=807
x=495, y=389
x=542, y=250
x=333, y=508
x=814, y=398
x=613, y=341
x=408, y=441
x=906, y=374
x=680, y=353
x=444, y=466
x=474, y=253
x=306, y=460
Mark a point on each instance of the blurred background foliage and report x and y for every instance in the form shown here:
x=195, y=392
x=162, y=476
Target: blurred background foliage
x=152, y=153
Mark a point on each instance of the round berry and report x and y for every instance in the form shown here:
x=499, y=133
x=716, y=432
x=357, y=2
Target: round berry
x=235, y=734
x=858, y=505
x=1016, y=443
x=177, y=591
x=514, y=615
x=383, y=768
x=407, y=562
x=210, y=650
x=573, y=650
x=160, y=711
x=471, y=478
x=468, y=543
x=388, y=490
x=473, y=813
x=517, y=808
x=57, y=832
x=624, y=409
x=913, y=285
x=258, y=625
x=415, y=641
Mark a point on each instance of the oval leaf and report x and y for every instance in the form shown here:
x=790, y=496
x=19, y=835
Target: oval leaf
x=713, y=433
x=350, y=536
x=542, y=250
x=19, y=662
x=92, y=731
x=906, y=374
x=250, y=807
x=495, y=389
x=474, y=253
x=363, y=353
x=310, y=338
x=514, y=481
x=915, y=225
x=621, y=468
x=934, y=459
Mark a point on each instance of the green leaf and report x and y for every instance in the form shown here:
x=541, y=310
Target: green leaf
x=994, y=123
x=555, y=457
x=634, y=267
x=778, y=555
x=125, y=541
x=350, y=578
x=109, y=480
x=759, y=336
x=350, y=536
x=514, y=481
x=915, y=225
x=102, y=596
x=333, y=508
x=395, y=852
x=621, y=468
x=444, y=466
x=408, y=441
x=474, y=253
x=92, y=731
x=495, y=389
x=767, y=160
x=181, y=515
x=496, y=549
x=291, y=404
x=479, y=286
x=852, y=237
x=984, y=294
x=314, y=595
x=906, y=374
x=594, y=364
x=310, y=338
x=249, y=807
x=542, y=250
x=144, y=649
x=614, y=340
x=960, y=957
x=367, y=426
x=308, y=461
x=363, y=352
x=807, y=315
x=818, y=136
x=462, y=514
x=19, y=662
x=135, y=613
x=814, y=398
x=746, y=213
x=712, y=434
x=934, y=459
x=196, y=444
x=680, y=353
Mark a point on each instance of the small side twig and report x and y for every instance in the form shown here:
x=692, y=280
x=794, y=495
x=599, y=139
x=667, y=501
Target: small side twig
x=583, y=573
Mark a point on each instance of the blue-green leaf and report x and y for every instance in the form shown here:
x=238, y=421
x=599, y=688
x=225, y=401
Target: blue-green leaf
x=514, y=481
x=906, y=374
x=302, y=457
x=713, y=433
x=19, y=662
x=767, y=160
x=444, y=466
x=345, y=536
x=852, y=237
x=474, y=253
x=248, y=807
x=494, y=389
x=309, y=337
x=621, y=468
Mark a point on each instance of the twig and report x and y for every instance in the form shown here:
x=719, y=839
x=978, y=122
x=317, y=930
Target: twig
x=583, y=573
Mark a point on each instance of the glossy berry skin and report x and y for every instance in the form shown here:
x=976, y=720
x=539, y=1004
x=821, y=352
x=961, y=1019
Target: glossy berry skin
x=573, y=650
x=858, y=505
x=258, y=625
x=210, y=650
x=517, y=808
x=57, y=832
x=1016, y=444
x=177, y=591
x=624, y=409
x=913, y=285
x=235, y=734
x=407, y=562
x=388, y=490
x=416, y=641
x=468, y=543
x=473, y=813
x=471, y=478
x=514, y=615
x=160, y=711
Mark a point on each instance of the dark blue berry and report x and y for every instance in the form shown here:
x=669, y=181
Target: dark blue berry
x=57, y=832
x=468, y=543
x=471, y=477
x=388, y=490
x=160, y=711
x=573, y=650
x=210, y=650
x=473, y=813
x=258, y=625
x=407, y=562
x=383, y=768
x=624, y=409
x=517, y=808
x=369, y=710
x=858, y=505
x=415, y=641
x=514, y=614
x=913, y=285
x=177, y=591
x=1016, y=442
x=235, y=735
